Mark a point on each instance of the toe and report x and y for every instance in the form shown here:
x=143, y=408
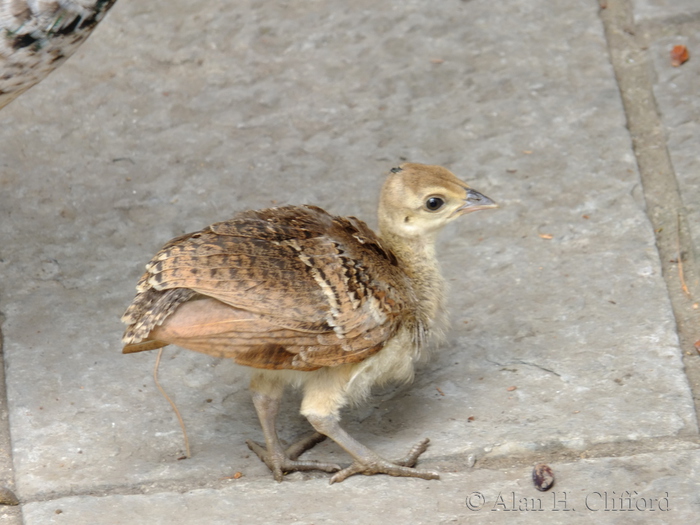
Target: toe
x=305, y=444
x=259, y=450
x=383, y=467
x=279, y=464
x=411, y=458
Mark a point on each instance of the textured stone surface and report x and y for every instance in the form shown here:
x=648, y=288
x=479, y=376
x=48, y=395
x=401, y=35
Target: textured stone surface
x=676, y=93
x=10, y=512
x=635, y=494
x=664, y=9
x=176, y=115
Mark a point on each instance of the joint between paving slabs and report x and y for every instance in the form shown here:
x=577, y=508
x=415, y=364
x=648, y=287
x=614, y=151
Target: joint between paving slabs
x=560, y=453
x=9, y=504
x=628, y=46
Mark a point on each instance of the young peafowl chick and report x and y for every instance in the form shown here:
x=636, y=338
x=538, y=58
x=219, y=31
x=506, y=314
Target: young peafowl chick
x=312, y=300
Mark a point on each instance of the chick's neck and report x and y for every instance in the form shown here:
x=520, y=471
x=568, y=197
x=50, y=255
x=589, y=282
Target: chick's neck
x=417, y=258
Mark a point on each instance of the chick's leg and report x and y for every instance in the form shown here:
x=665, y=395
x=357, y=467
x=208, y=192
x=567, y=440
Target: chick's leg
x=267, y=395
x=322, y=401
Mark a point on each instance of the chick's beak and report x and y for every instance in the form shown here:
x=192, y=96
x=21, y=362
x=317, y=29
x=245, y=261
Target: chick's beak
x=475, y=201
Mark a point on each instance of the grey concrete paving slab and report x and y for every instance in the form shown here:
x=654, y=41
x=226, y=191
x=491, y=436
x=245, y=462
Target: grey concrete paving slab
x=675, y=90
x=649, y=488
x=664, y=9
x=176, y=115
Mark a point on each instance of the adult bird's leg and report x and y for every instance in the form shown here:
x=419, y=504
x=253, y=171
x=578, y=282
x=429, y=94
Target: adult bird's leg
x=266, y=398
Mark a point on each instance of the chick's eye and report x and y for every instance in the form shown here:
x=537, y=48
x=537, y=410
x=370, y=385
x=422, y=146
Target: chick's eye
x=434, y=203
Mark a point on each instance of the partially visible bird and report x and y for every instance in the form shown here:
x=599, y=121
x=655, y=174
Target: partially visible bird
x=311, y=300
x=37, y=36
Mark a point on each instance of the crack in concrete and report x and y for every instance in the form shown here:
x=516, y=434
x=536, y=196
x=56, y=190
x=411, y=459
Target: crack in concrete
x=552, y=454
x=527, y=363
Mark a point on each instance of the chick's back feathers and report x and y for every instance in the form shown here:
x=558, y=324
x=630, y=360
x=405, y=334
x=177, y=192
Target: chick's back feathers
x=290, y=287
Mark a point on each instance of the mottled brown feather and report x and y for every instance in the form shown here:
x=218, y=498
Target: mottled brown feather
x=281, y=288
